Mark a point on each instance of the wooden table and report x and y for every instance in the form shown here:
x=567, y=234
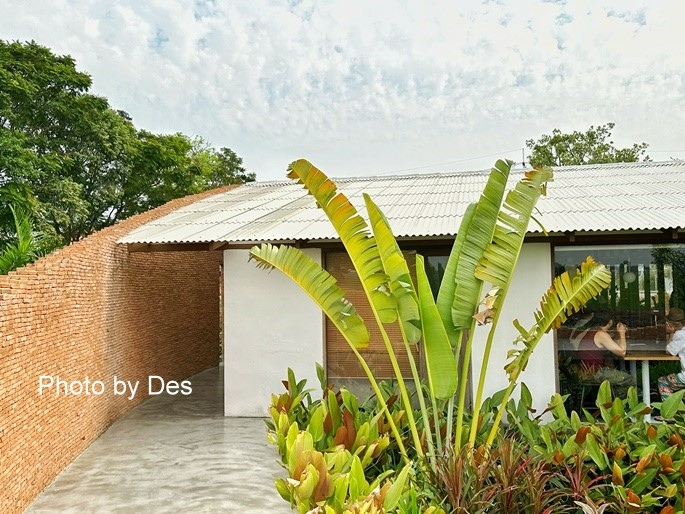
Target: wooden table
x=645, y=356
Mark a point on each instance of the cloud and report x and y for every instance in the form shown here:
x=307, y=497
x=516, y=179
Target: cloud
x=373, y=86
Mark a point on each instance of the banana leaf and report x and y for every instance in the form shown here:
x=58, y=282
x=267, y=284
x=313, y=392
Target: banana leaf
x=477, y=238
x=395, y=266
x=320, y=285
x=440, y=362
x=500, y=257
x=354, y=234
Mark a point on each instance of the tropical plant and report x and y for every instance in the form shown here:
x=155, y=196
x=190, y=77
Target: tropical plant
x=617, y=458
x=486, y=250
x=25, y=248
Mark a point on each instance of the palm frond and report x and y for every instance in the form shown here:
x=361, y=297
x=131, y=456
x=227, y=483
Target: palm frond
x=320, y=285
x=24, y=249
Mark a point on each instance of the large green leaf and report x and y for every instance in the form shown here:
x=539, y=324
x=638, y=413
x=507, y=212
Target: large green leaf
x=448, y=286
x=354, y=234
x=566, y=296
x=395, y=266
x=440, y=363
x=500, y=257
x=320, y=285
x=477, y=238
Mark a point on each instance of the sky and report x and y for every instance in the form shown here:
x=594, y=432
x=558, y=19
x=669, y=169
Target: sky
x=376, y=87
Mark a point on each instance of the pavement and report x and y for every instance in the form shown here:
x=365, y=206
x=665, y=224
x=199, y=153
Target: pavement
x=173, y=454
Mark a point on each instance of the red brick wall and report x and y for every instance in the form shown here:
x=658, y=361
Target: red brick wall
x=94, y=310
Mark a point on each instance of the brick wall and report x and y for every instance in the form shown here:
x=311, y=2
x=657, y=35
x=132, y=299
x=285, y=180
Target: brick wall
x=94, y=310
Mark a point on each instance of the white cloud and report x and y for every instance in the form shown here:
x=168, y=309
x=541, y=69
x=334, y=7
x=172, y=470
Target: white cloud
x=363, y=87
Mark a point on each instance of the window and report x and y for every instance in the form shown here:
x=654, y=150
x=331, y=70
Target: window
x=435, y=269
x=646, y=281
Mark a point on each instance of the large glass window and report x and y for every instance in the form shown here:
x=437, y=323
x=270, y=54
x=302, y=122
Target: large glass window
x=646, y=282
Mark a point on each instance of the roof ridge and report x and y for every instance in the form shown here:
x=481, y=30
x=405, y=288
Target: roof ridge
x=399, y=176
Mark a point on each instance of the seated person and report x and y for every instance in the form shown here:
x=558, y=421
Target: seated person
x=676, y=346
x=596, y=348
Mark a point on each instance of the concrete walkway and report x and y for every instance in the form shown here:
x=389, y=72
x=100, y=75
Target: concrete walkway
x=173, y=454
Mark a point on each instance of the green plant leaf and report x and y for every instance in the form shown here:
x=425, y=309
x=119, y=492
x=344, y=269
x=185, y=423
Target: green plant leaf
x=394, y=494
x=315, y=426
x=596, y=453
x=440, y=362
x=448, y=286
x=320, y=285
x=640, y=482
x=334, y=411
x=358, y=483
x=501, y=255
x=478, y=237
x=671, y=405
x=354, y=234
x=395, y=266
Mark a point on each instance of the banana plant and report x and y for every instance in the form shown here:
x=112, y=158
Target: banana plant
x=486, y=250
x=565, y=296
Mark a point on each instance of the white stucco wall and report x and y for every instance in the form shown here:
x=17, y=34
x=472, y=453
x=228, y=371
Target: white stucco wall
x=270, y=324
x=532, y=278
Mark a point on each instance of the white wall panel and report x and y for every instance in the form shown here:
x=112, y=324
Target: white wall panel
x=531, y=279
x=270, y=324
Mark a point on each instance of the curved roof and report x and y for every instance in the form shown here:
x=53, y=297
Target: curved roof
x=601, y=197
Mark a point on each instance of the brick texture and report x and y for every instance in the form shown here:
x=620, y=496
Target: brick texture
x=94, y=310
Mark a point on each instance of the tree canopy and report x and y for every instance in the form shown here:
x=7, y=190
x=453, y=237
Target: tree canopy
x=593, y=146
x=75, y=164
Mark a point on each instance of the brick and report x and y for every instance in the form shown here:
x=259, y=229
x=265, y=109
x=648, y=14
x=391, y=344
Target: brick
x=91, y=309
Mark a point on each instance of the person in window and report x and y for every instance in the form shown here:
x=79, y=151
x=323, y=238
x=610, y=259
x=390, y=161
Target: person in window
x=596, y=349
x=675, y=321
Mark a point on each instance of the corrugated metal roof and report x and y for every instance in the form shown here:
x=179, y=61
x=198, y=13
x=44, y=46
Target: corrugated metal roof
x=602, y=197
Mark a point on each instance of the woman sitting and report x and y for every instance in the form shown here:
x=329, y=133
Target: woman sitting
x=676, y=346
x=597, y=347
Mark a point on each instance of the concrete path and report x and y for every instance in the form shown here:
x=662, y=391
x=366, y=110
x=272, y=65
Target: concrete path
x=173, y=454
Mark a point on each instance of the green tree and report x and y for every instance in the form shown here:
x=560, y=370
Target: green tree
x=227, y=168
x=593, y=146
x=86, y=164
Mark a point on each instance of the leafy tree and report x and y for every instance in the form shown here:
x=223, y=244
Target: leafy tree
x=227, y=168
x=86, y=164
x=591, y=147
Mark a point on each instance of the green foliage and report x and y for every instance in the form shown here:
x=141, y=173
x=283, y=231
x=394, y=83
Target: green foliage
x=335, y=452
x=590, y=147
x=25, y=248
x=487, y=248
x=617, y=458
x=85, y=163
